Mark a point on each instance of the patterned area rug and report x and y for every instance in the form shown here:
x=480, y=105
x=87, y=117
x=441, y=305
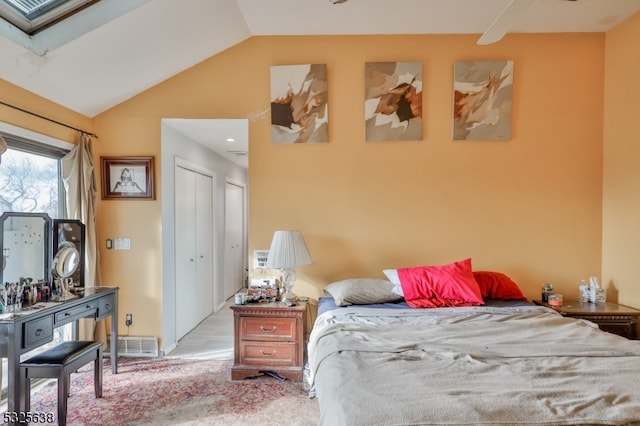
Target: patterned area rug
x=164, y=391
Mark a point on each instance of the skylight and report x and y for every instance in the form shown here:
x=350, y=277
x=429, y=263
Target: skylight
x=44, y=25
x=32, y=16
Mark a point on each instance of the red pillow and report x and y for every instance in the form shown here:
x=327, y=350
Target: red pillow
x=439, y=286
x=496, y=285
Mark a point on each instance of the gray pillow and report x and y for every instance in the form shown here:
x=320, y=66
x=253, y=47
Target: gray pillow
x=361, y=291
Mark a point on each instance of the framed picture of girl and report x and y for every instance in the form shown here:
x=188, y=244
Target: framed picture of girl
x=127, y=177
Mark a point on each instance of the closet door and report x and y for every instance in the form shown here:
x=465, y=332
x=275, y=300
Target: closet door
x=204, y=245
x=234, y=265
x=193, y=248
x=185, y=254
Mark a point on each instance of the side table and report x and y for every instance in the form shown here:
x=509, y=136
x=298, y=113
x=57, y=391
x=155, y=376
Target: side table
x=611, y=317
x=268, y=337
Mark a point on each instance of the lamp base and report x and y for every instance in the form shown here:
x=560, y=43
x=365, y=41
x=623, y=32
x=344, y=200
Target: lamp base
x=288, y=281
x=289, y=296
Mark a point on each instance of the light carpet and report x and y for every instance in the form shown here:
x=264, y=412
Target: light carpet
x=165, y=391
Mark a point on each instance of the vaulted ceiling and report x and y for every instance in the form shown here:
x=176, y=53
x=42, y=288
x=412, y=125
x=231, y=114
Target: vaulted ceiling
x=126, y=52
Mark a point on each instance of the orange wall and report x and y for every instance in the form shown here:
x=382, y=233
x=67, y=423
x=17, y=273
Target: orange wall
x=529, y=207
x=621, y=182
x=19, y=97
x=134, y=128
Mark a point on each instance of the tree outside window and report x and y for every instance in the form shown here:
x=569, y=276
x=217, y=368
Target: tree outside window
x=29, y=183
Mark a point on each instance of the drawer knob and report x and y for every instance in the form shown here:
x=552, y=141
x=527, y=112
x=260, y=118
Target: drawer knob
x=273, y=352
x=268, y=330
x=108, y=305
x=39, y=332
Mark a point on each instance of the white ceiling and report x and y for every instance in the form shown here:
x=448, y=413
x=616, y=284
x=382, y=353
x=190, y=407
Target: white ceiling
x=226, y=136
x=117, y=59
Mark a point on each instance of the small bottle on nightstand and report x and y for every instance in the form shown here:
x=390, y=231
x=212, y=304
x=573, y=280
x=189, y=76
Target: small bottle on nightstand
x=547, y=289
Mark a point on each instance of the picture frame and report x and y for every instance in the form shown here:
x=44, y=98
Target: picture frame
x=393, y=101
x=127, y=178
x=482, y=100
x=299, y=104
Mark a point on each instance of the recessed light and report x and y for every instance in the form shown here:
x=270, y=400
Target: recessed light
x=231, y=140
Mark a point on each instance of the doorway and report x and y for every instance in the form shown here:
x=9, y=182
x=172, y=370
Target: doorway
x=209, y=147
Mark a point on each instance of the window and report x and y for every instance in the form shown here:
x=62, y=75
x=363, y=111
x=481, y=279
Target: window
x=30, y=181
x=44, y=25
x=32, y=16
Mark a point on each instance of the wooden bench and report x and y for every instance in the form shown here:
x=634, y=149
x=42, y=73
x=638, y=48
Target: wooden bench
x=58, y=363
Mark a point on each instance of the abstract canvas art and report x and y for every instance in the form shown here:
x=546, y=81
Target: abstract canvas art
x=482, y=100
x=393, y=101
x=299, y=110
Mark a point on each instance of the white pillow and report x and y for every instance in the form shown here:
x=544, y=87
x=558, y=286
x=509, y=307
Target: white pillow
x=392, y=276
x=362, y=291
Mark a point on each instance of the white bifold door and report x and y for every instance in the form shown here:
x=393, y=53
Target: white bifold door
x=234, y=238
x=194, y=242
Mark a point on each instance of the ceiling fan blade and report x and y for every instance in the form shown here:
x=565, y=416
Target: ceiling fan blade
x=504, y=22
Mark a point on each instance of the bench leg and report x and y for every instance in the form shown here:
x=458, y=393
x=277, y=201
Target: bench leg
x=63, y=393
x=97, y=374
x=27, y=393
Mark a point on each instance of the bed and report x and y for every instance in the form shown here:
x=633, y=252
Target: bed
x=501, y=362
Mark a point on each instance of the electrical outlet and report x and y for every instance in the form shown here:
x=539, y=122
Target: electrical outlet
x=129, y=320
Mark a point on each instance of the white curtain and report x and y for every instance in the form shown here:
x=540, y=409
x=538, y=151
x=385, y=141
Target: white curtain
x=3, y=147
x=79, y=178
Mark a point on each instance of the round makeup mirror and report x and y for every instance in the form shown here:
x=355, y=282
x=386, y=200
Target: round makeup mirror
x=66, y=260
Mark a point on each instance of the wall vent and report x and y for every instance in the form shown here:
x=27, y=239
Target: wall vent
x=138, y=346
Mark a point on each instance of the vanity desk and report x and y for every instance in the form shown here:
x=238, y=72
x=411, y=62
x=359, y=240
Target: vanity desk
x=33, y=327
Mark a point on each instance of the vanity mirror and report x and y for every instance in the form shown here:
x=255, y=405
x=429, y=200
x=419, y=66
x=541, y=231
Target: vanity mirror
x=68, y=252
x=65, y=263
x=25, y=246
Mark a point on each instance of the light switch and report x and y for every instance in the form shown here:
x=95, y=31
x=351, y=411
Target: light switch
x=122, y=243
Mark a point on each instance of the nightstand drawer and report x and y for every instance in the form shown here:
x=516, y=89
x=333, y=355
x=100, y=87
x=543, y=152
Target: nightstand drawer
x=268, y=329
x=268, y=354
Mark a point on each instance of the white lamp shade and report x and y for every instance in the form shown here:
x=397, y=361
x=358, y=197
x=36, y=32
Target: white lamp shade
x=288, y=251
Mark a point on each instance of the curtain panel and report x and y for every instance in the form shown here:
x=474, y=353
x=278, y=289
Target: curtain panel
x=79, y=179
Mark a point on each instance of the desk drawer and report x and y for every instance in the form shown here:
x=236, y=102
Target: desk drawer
x=81, y=311
x=37, y=332
x=106, y=306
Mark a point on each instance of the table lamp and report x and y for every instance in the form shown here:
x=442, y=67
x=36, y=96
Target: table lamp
x=288, y=251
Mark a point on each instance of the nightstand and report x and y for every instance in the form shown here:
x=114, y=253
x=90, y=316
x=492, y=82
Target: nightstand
x=617, y=319
x=268, y=337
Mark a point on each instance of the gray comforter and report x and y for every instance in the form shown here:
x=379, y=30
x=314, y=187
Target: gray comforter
x=471, y=366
